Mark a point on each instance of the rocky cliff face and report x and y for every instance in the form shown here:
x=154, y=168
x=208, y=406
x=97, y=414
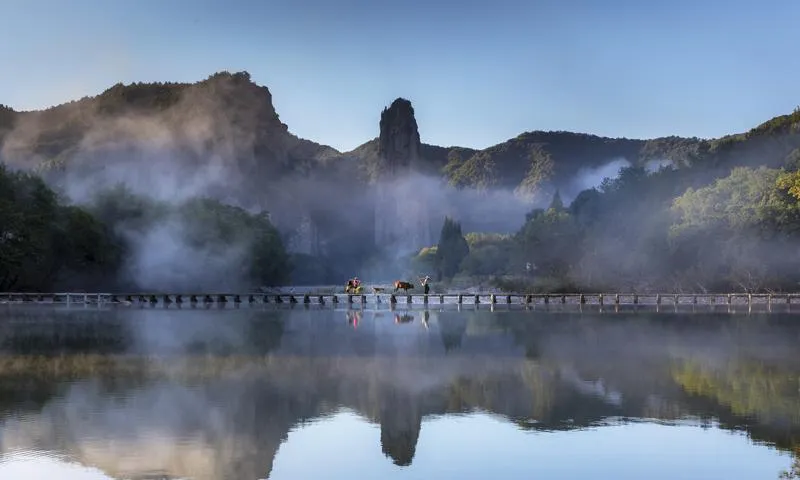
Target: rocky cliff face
x=398, y=144
x=169, y=139
x=403, y=220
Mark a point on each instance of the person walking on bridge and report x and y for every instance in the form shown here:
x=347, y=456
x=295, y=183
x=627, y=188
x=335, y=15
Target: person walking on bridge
x=425, y=282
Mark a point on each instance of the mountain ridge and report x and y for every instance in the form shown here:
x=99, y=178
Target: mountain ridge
x=241, y=119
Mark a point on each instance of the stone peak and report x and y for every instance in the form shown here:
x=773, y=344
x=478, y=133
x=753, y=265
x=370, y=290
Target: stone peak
x=399, y=143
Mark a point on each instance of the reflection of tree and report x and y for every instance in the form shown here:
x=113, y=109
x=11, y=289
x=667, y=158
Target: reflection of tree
x=452, y=327
x=748, y=388
x=794, y=471
x=762, y=397
x=41, y=332
x=526, y=335
x=265, y=331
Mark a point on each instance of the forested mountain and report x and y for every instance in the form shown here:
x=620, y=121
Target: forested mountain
x=161, y=147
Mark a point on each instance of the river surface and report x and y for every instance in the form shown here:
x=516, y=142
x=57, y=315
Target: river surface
x=306, y=393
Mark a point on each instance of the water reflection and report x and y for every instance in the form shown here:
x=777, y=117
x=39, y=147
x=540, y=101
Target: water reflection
x=209, y=394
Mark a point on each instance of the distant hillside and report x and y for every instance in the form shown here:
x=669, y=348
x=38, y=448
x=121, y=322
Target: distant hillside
x=226, y=116
x=560, y=155
x=230, y=122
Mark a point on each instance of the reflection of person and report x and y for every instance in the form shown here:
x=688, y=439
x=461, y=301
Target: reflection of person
x=425, y=284
x=353, y=317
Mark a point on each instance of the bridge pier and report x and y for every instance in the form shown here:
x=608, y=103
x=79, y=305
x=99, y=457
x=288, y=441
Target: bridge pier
x=572, y=299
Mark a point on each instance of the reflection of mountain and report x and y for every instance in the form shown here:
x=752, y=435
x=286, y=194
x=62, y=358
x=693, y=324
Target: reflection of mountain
x=401, y=422
x=212, y=394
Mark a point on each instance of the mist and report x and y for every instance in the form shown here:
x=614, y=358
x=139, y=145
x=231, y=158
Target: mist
x=221, y=139
x=201, y=148
x=205, y=145
x=587, y=178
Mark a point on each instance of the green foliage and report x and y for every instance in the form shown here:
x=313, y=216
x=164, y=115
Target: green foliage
x=425, y=260
x=206, y=225
x=478, y=172
x=548, y=240
x=792, y=161
x=480, y=239
x=790, y=182
x=489, y=254
x=89, y=251
x=41, y=241
x=556, y=204
x=540, y=170
x=44, y=245
x=747, y=199
x=451, y=249
x=215, y=228
x=119, y=207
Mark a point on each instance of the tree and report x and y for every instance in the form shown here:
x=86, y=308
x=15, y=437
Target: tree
x=539, y=171
x=219, y=229
x=451, y=249
x=43, y=242
x=549, y=239
x=556, y=204
x=738, y=232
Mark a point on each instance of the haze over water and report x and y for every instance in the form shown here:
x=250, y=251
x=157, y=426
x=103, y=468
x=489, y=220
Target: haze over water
x=300, y=392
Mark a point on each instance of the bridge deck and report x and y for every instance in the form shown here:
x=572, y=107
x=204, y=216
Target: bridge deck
x=600, y=299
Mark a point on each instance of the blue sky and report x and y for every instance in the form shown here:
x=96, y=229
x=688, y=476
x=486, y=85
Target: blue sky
x=477, y=73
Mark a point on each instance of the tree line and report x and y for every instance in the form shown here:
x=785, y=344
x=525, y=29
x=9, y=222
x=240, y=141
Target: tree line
x=47, y=244
x=642, y=231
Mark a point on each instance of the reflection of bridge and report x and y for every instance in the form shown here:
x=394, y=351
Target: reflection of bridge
x=527, y=300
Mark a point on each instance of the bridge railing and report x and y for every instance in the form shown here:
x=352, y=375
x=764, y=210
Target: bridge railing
x=600, y=299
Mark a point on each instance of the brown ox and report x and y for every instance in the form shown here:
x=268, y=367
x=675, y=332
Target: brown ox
x=406, y=286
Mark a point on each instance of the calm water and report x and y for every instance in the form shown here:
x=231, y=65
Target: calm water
x=302, y=394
